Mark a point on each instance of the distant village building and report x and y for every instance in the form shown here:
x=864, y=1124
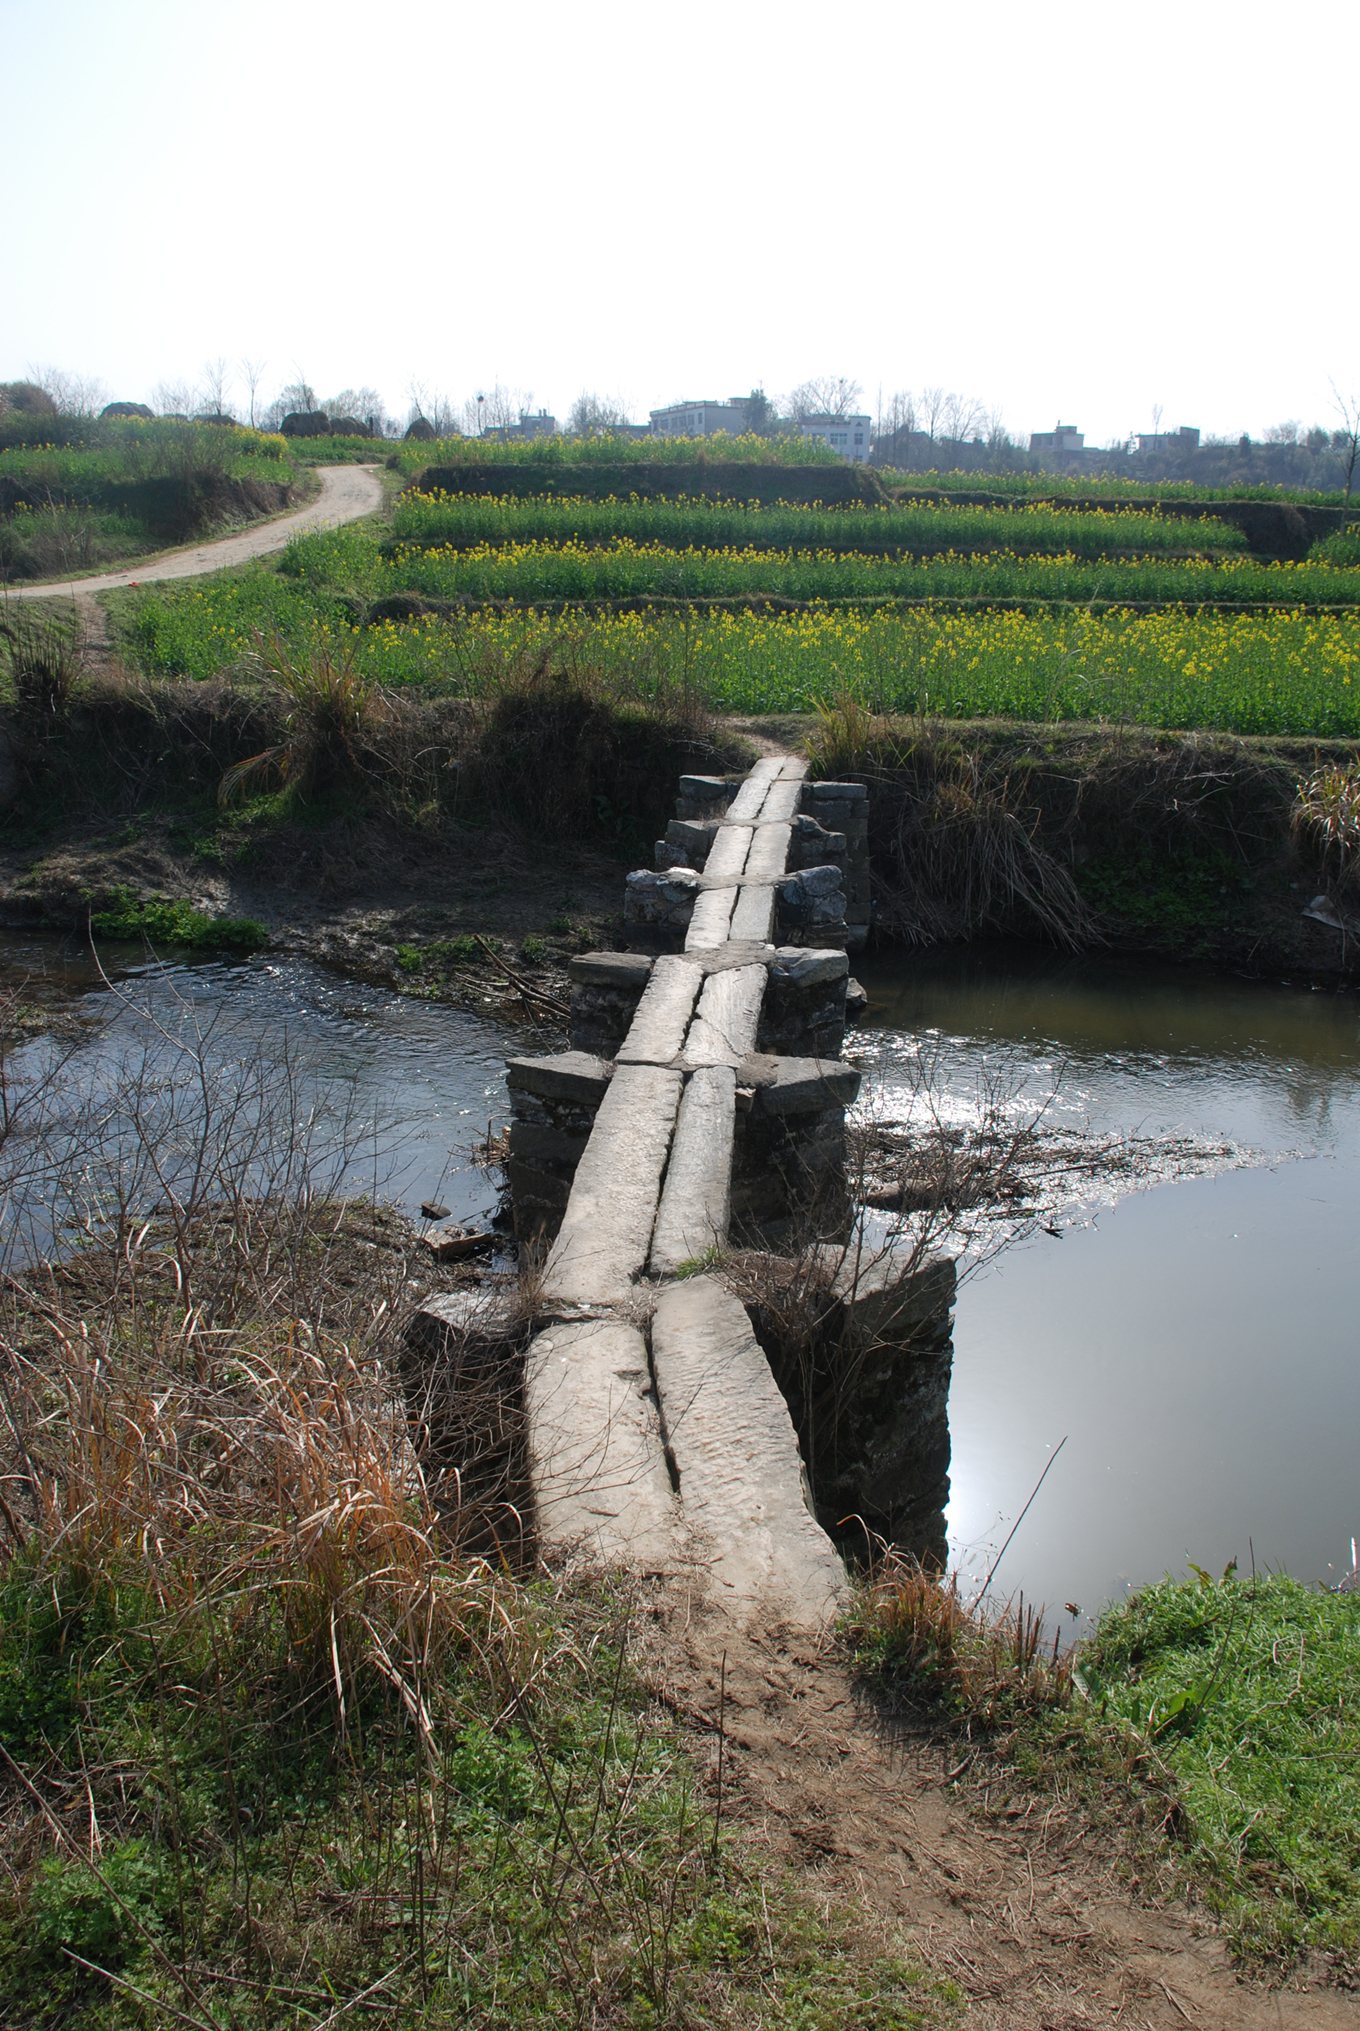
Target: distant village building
x=846, y=435
x=699, y=419
x=538, y=424
x=1064, y=441
x=1163, y=441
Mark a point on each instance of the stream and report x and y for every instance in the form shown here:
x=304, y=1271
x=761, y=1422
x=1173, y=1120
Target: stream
x=1196, y=1343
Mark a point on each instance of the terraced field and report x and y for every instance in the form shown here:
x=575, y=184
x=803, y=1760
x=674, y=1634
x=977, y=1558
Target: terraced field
x=1039, y=611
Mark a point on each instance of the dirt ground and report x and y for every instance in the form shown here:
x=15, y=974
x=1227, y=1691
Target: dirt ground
x=1039, y=1917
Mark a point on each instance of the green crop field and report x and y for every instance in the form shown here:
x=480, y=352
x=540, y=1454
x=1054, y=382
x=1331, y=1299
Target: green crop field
x=608, y=449
x=1290, y=672
x=1097, y=622
x=531, y=574
x=1100, y=486
x=465, y=521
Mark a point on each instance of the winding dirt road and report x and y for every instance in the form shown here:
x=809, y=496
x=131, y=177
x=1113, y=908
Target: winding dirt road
x=347, y=491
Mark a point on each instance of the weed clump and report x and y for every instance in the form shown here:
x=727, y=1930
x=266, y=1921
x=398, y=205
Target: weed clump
x=164, y=922
x=44, y=651
x=915, y=1637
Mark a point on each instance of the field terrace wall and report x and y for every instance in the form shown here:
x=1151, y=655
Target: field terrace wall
x=702, y=1103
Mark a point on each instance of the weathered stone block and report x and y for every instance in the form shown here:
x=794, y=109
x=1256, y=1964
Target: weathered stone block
x=687, y=843
x=605, y=990
x=809, y=1086
x=704, y=796
x=845, y=806
x=812, y=845
x=804, y=1011
x=657, y=907
x=571, y=1075
x=810, y=906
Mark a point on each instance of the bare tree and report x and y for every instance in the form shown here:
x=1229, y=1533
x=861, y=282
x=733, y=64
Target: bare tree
x=932, y=411
x=364, y=405
x=74, y=394
x=298, y=398
x=824, y=395
x=494, y=408
x=216, y=382
x=430, y=406
x=252, y=373
x=1349, y=408
x=963, y=417
x=175, y=398
x=596, y=415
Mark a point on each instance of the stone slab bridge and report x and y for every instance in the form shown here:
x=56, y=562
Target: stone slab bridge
x=703, y=1099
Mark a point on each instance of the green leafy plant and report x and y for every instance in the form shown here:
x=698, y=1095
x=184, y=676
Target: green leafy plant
x=162, y=921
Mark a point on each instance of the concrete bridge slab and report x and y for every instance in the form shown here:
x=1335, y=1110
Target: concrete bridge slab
x=606, y=1231
x=696, y=1200
x=663, y=1014
x=733, y=1443
x=596, y=1461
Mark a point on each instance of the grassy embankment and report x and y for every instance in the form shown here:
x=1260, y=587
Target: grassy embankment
x=1217, y=1714
x=75, y=496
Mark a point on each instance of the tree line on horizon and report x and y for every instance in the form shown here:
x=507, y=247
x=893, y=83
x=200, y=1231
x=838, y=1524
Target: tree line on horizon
x=932, y=429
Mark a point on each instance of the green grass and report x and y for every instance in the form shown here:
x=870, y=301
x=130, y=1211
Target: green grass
x=609, y=450
x=464, y=521
x=1241, y=1696
x=554, y=1868
x=163, y=922
x=127, y=487
x=131, y=451
x=339, y=450
x=280, y=1749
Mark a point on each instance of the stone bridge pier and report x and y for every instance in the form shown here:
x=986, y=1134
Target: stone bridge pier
x=701, y=1106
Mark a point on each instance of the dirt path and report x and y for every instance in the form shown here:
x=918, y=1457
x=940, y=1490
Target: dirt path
x=347, y=491
x=1013, y=1895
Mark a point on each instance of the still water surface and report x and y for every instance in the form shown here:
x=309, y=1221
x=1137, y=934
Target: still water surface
x=1198, y=1344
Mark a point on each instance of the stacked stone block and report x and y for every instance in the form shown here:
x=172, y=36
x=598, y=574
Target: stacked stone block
x=788, y=1159
x=844, y=808
x=803, y=1014
x=606, y=988
x=553, y=1103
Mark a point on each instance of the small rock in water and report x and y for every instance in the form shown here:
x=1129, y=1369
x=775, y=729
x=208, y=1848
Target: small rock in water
x=448, y=1242
x=432, y=1209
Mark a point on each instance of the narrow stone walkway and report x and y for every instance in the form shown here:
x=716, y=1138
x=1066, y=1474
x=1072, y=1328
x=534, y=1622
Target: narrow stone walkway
x=681, y=1459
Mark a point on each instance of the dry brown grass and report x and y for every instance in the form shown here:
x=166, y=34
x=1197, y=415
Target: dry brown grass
x=920, y=1641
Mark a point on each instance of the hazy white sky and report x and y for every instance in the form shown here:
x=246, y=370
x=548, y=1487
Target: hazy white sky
x=1074, y=211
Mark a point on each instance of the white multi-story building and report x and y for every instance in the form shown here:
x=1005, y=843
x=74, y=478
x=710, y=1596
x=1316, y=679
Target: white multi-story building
x=847, y=435
x=700, y=419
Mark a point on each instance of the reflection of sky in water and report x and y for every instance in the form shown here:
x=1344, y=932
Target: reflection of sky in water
x=1199, y=1344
